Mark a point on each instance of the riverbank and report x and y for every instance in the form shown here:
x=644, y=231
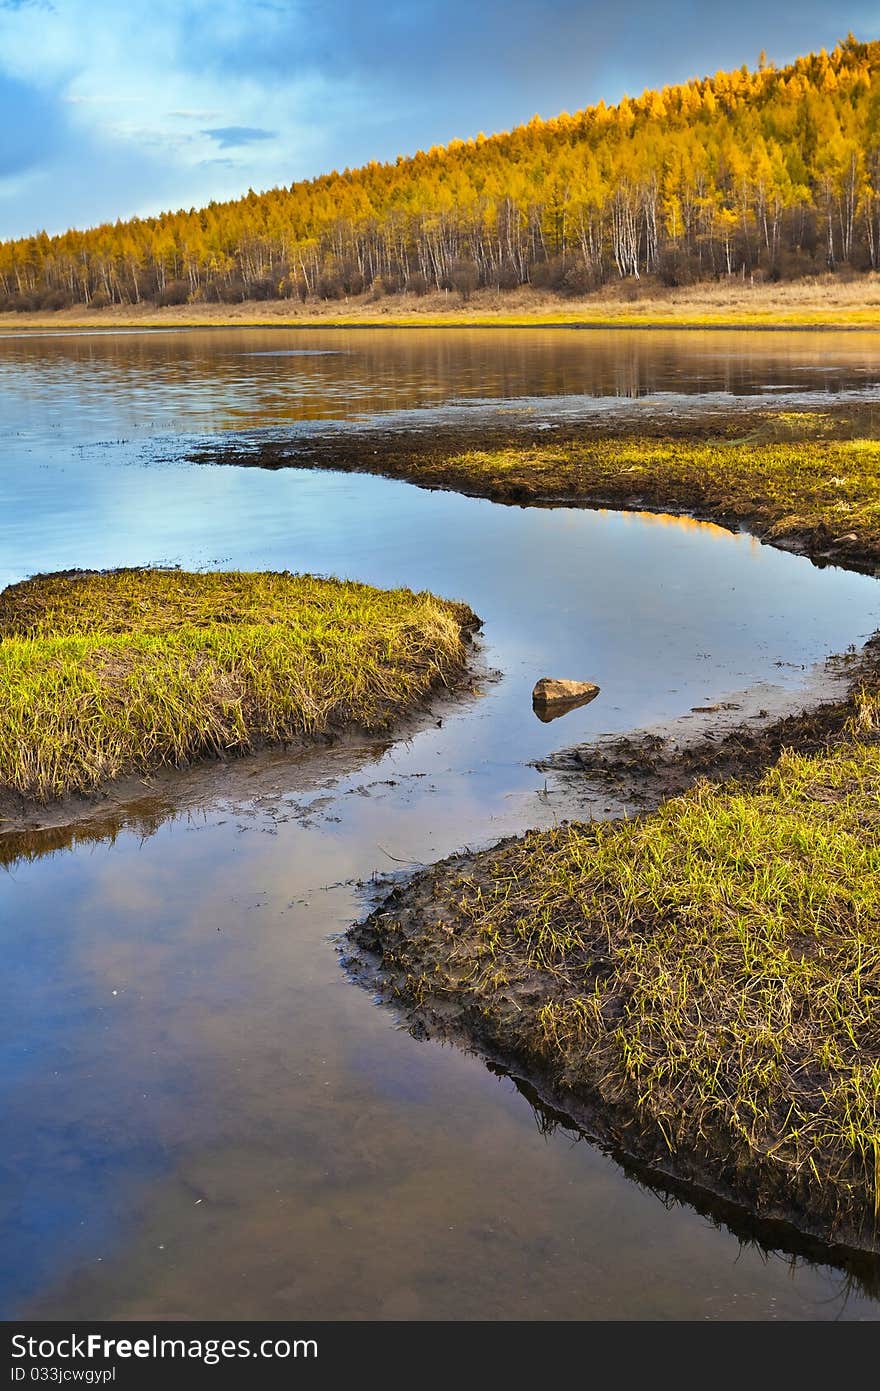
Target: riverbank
x=107, y=674
x=825, y=301
x=699, y=986
x=806, y=481
x=821, y=497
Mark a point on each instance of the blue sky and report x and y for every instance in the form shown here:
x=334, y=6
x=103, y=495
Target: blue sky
x=109, y=109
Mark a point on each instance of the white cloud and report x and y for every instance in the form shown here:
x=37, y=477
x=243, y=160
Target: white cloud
x=127, y=80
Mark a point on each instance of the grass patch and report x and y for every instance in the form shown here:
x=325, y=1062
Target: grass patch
x=822, y=494
x=129, y=670
x=807, y=480
x=827, y=486
x=709, y=974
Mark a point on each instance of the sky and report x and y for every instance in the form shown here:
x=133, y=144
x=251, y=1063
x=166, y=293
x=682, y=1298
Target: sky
x=116, y=108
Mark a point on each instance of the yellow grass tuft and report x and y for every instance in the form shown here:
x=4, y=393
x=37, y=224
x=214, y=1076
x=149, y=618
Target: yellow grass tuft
x=103, y=674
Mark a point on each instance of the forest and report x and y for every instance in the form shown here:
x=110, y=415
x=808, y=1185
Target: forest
x=770, y=173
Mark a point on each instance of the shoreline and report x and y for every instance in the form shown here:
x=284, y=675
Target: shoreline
x=398, y=952
x=740, y=737
x=669, y=469
x=823, y=302
x=621, y=324
x=781, y=1229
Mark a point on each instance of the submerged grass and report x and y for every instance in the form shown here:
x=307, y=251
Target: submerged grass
x=107, y=673
x=709, y=974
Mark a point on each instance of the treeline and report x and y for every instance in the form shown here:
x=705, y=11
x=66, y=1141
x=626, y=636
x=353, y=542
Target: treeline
x=773, y=171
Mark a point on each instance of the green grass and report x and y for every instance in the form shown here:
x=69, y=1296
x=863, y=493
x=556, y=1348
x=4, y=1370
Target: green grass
x=709, y=973
x=131, y=670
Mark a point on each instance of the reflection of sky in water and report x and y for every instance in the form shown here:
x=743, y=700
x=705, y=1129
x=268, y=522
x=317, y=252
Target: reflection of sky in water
x=211, y=1118
x=237, y=1129
x=662, y=614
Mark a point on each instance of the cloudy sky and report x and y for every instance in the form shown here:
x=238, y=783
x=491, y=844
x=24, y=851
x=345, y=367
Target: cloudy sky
x=108, y=109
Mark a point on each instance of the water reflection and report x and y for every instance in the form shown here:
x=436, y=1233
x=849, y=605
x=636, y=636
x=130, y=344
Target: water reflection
x=126, y=384
x=204, y=1117
x=851, y=1274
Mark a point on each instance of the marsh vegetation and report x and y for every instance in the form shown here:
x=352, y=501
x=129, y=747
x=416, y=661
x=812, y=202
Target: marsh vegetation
x=130, y=670
x=706, y=978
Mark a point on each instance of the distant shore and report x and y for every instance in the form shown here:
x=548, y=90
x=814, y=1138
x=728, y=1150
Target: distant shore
x=827, y=301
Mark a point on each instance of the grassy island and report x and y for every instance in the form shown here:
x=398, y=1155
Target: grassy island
x=795, y=480
x=126, y=671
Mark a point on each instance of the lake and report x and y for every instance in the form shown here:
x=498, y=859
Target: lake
x=205, y=1117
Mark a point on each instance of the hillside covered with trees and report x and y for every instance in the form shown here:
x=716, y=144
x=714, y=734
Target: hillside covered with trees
x=773, y=171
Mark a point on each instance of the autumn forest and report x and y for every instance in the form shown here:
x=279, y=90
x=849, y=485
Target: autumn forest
x=772, y=173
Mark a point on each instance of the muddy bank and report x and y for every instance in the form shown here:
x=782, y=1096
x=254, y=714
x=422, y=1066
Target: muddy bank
x=452, y=452
x=420, y=951
x=736, y=739
x=770, y=1237
x=264, y=777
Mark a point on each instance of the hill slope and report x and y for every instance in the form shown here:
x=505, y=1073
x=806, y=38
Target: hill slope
x=776, y=170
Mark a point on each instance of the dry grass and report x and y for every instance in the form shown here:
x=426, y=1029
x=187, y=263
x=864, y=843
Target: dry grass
x=822, y=493
x=103, y=674
x=709, y=974
x=820, y=301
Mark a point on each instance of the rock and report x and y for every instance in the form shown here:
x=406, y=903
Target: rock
x=549, y=689
x=553, y=697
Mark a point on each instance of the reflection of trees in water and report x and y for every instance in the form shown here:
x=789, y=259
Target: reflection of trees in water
x=27, y=846
x=855, y=1272
x=220, y=379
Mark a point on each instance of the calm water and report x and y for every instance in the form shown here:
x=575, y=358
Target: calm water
x=95, y=388
x=203, y=1116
